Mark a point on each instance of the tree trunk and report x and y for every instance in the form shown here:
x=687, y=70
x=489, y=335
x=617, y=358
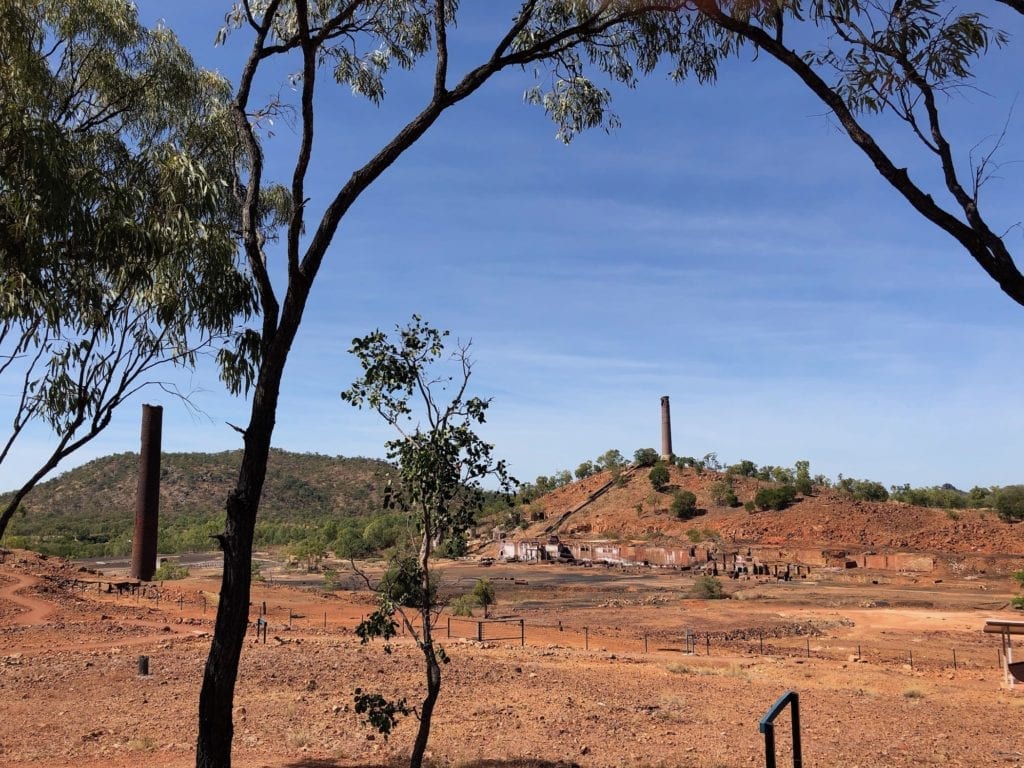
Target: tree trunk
x=216, y=698
x=433, y=690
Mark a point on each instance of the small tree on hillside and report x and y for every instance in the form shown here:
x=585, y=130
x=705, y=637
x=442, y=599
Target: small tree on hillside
x=645, y=457
x=684, y=504
x=1010, y=503
x=610, y=459
x=723, y=493
x=659, y=477
x=803, y=478
x=441, y=462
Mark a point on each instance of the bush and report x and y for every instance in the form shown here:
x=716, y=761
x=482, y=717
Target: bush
x=1010, y=503
x=659, y=477
x=463, y=605
x=749, y=506
x=708, y=588
x=684, y=504
x=775, y=498
x=169, y=571
x=483, y=593
x=646, y=457
x=723, y=494
x=862, y=490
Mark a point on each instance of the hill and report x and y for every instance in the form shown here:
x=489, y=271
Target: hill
x=631, y=510
x=89, y=510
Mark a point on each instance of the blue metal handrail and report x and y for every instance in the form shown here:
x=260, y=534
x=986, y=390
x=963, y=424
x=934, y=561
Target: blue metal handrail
x=767, y=727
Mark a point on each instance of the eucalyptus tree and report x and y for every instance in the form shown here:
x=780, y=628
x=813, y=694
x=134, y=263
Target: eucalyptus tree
x=357, y=43
x=897, y=60
x=117, y=230
x=420, y=390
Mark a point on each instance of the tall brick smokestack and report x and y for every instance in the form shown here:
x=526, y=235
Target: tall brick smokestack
x=147, y=496
x=666, y=430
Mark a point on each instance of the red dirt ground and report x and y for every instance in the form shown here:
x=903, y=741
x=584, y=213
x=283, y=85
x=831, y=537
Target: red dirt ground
x=72, y=696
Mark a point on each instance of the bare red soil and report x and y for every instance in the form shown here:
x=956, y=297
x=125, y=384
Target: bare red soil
x=873, y=665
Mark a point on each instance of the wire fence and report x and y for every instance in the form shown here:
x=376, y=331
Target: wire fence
x=924, y=655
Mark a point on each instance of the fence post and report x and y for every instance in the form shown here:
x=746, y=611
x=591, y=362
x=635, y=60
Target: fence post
x=707, y=644
x=449, y=626
x=954, y=659
x=911, y=659
x=479, y=631
x=645, y=642
x=522, y=633
x=586, y=638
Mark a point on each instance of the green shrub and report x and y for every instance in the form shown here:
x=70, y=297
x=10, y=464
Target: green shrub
x=659, y=476
x=646, y=457
x=169, y=571
x=708, y=588
x=1017, y=603
x=749, y=506
x=775, y=498
x=483, y=593
x=861, y=490
x=1009, y=503
x=723, y=494
x=684, y=504
x=463, y=605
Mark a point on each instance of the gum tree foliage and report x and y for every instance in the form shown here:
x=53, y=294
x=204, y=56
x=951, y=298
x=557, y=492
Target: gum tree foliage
x=646, y=457
x=357, y=44
x=869, y=59
x=117, y=248
x=610, y=459
x=441, y=462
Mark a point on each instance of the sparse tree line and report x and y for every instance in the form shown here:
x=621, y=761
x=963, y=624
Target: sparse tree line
x=787, y=484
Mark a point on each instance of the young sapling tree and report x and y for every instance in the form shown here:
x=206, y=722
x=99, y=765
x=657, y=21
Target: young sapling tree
x=420, y=390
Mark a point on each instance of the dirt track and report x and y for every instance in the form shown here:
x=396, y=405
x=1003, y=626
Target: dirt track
x=68, y=663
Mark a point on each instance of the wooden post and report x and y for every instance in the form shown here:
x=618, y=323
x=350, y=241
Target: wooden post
x=911, y=659
x=479, y=631
x=645, y=642
x=522, y=632
x=586, y=638
x=808, y=647
x=954, y=659
x=143, y=666
x=289, y=618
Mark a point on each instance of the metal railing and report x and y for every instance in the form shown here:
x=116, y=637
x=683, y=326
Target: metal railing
x=767, y=727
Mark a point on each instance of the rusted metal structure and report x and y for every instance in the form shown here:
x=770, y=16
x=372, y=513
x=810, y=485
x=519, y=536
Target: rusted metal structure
x=666, y=430
x=147, y=495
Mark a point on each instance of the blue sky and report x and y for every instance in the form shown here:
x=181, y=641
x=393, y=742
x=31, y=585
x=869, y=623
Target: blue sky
x=726, y=246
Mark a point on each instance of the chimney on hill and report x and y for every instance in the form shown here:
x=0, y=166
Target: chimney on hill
x=666, y=431
x=147, y=495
